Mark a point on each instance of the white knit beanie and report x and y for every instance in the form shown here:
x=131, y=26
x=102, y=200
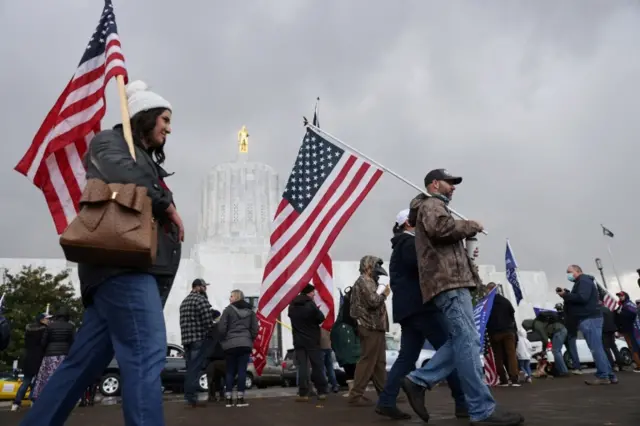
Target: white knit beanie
x=141, y=99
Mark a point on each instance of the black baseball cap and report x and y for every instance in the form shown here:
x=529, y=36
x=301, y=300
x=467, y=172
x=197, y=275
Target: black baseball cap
x=441, y=174
x=199, y=282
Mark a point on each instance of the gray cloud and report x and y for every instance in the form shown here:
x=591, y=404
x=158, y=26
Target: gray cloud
x=535, y=103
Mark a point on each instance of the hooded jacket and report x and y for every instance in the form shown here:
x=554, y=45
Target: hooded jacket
x=33, y=348
x=368, y=307
x=582, y=301
x=625, y=315
x=404, y=277
x=238, y=326
x=344, y=341
x=443, y=263
x=305, y=322
x=59, y=335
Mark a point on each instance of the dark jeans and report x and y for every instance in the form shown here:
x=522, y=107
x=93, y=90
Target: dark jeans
x=349, y=371
x=330, y=373
x=237, y=360
x=27, y=382
x=125, y=318
x=304, y=358
x=195, y=355
x=216, y=374
x=415, y=329
x=609, y=343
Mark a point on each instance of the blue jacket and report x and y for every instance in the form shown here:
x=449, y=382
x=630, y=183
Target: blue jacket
x=583, y=298
x=404, y=278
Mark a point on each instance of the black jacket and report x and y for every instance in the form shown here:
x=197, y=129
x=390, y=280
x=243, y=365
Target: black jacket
x=33, y=348
x=582, y=301
x=305, y=322
x=404, y=277
x=502, y=316
x=215, y=352
x=609, y=322
x=108, y=159
x=58, y=337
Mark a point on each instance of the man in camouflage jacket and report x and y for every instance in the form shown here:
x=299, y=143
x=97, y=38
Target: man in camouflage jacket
x=446, y=275
x=370, y=312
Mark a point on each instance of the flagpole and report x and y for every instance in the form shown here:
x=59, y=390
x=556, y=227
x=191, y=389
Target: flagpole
x=613, y=265
x=386, y=169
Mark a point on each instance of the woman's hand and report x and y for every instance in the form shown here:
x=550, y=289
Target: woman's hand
x=172, y=214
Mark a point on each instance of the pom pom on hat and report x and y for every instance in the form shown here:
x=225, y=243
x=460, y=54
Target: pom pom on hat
x=140, y=98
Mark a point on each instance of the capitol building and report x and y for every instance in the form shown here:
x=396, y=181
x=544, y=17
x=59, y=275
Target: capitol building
x=239, y=199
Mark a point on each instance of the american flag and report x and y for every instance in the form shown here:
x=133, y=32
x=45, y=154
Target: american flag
x=607, y=299
x=490, y=371
x=53, y=162
x=326, y=186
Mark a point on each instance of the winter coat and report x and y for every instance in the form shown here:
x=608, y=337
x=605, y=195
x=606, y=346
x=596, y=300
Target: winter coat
x=109, y=160
x=33, y=348
x=502, y=316
x=442, y=258
x=404, y=277
x=306, y=318
x=344, y=341
x=238, y=326
x=625, y=316
x=583, y=299
x=608, y=320
x=58, y=337
x=368, y=307
x=214, y=351
x=547, y=324
x=524, y=349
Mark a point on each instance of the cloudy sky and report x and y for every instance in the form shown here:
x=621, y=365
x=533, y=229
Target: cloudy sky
x=534, y=103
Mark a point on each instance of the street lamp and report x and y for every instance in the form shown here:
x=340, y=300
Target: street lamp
x=599, y=266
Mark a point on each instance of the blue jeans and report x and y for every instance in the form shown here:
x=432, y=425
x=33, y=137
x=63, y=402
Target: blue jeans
x=27, y=382
x=428, y=325
x=557, y=342
x=572, y=347
x=327, y=355
x=125, y=318
x=591, y=328
x=195, y=355
x=461, y=352
x=237, y=361
x=525, y=366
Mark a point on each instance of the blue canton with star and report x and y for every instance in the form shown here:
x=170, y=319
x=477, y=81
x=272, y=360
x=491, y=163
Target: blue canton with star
x=106, y=27
x=316, y=160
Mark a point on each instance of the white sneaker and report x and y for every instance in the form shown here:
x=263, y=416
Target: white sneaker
x=15, y=407
x=515, y=385
x=576, y=372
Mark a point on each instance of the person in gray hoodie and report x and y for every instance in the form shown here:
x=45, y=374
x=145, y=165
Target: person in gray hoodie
x=238, y=328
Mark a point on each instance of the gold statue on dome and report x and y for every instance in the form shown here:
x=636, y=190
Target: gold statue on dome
x=243, y=140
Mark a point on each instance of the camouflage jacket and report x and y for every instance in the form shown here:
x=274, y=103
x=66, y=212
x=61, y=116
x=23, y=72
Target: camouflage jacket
x=442, y=258
x=368, y=307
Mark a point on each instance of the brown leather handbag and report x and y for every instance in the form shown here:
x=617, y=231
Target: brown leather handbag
x=115, y=227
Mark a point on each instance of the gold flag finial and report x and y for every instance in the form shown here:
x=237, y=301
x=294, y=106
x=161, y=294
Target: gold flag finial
x=243, y=140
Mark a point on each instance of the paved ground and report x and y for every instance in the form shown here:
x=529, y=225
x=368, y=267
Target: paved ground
x=566, y=402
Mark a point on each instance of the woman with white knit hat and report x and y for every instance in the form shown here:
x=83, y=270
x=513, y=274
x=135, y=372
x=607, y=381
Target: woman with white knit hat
x=123, y=306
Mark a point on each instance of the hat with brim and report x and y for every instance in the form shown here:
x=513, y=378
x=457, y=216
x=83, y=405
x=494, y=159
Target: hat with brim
x=441, y=174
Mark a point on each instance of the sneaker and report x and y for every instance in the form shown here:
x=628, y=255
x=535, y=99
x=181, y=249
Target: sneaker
x=528, y=380
x=598, y=382
x=392, y=412
x=636, y=370
x=336, y=389
x=576, y=372
x=302, y=398
x=415, y=394
x=15, y=407
x=240, y=402
x=500, y=418
x=322, y=397
x=515, y=385
x=229, y=402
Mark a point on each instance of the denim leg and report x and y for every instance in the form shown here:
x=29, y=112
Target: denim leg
x=131, y=304
x=194, y=359
x=328, y=367
x=462, y=352
x=243, y=362
x=557, y=342
x=411, y=342
x=572, y=346
x=88, y=356
x=592, y=330
x=22, y=390
x=232, y=369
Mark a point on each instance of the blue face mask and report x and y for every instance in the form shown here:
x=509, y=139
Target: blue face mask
x=570, y=277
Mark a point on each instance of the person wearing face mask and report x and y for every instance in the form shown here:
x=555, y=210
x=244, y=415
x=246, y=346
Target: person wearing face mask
x=196, y=324
x=582, y=301
x=370, y=312
x=447, y=274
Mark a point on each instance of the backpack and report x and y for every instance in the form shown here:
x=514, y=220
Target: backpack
x=346, y=310
x=5, y=333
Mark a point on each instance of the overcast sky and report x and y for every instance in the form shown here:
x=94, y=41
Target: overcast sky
x=535, y=104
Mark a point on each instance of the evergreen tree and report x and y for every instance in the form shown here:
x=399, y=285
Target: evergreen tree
x=26, y=295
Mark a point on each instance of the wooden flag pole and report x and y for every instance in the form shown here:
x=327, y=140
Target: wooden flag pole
x=124, y=111
x=377, y=164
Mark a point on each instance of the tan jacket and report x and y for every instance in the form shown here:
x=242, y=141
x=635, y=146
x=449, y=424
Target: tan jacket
x=325, y=339
x=368, y=307
x=442, y=258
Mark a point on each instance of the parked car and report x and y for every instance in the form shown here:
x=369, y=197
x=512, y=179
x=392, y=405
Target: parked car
x=393, y=349
x=271, y=375
x=290, y=370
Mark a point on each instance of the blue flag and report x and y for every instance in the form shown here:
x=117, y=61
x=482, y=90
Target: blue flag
x=512, y=276
x=481, y=313
x=537, y=311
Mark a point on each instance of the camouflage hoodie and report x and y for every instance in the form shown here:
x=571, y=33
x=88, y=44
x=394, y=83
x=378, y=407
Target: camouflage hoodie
x=443, y=263
x=368, y=307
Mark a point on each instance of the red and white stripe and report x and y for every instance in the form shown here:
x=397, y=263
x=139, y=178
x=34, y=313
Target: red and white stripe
x=53, y=162
x=323, y=282
x=490, y=371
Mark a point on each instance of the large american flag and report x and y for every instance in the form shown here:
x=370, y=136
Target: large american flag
x=53, y=162
x=491, y=377
x=326, y=186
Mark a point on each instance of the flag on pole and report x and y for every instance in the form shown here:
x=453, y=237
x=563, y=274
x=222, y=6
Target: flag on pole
x=53, y=162
x=607, y=299
x=491, y=377
x=606, y=231
x=481, y=314
x=512, y=276
x=325, y=187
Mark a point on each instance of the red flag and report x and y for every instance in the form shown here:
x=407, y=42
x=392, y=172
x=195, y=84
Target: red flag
x=53, y=162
